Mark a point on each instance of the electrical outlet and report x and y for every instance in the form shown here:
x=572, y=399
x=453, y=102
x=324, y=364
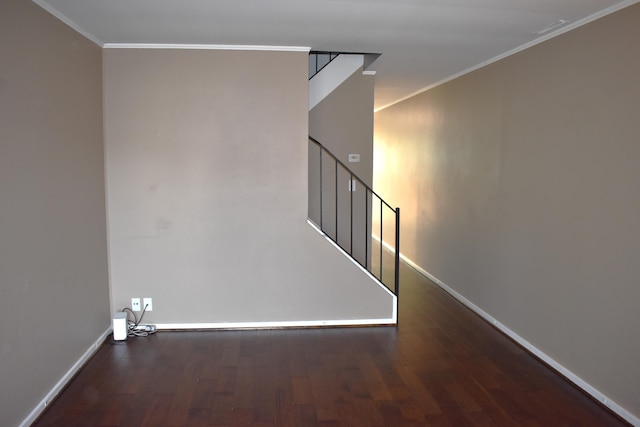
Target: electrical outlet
x=148, y=304
x=135, y=304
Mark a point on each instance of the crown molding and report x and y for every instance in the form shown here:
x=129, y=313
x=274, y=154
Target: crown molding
x=43, y=4
x=205, y=47
x=547, y=36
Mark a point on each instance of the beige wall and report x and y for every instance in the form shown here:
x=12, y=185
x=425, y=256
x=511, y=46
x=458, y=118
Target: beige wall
x=54, y=288
x=343, y=124
x=207, y=192
x=519, y=190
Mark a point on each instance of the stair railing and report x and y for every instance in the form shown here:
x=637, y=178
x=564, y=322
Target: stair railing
x=354, y=216
x=318, y=60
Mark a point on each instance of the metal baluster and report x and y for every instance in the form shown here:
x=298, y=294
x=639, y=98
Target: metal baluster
x=336, y=163
x=351, y=213
x=321, y=190
x=380, y=239
x=367, y=234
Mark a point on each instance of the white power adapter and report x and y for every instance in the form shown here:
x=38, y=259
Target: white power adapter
x=119, y=326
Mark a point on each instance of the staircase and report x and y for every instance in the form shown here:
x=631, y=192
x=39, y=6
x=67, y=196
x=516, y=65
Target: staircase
x=331, y=76
x=342, y=205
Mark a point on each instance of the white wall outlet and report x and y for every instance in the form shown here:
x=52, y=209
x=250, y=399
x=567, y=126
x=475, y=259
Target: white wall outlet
x=135, y=304
x=352, y=185
x=147, y=303
x=354, y=158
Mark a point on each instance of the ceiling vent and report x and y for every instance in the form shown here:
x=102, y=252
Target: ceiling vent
x=551, y=27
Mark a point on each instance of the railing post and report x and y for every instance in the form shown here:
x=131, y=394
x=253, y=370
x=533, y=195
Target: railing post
x=321, y=189
x=397, y=279
x=397, y=272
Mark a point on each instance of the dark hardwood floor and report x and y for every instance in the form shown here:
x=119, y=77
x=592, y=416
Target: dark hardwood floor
x=443, y=366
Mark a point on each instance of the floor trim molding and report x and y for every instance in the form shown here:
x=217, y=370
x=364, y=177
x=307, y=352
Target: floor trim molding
x=570, y=376
x=276, y=325
x=48, y=398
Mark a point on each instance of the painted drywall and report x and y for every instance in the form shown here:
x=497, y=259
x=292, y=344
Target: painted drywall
x=519, y=189
x=343, y=123
x=54, y=301
x=207, y=192
x=330, y=76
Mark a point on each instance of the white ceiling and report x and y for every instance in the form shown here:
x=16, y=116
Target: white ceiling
x=422, y=42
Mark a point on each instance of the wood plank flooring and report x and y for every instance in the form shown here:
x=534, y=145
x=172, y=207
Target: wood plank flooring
x=443, y=366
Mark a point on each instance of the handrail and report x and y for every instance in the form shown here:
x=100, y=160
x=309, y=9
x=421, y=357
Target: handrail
x=315, y=65
x=337, y=214
x=337, y=160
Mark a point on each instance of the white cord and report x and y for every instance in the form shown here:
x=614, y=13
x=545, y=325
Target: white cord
x=134, y=328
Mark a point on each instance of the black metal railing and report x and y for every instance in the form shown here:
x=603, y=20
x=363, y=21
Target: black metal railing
x=354, y=216
x=318, y=60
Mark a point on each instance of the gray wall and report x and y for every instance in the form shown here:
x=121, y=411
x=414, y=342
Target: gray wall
x=519, y=189
x=343, y=123
x=207, y=192
x=54, y=288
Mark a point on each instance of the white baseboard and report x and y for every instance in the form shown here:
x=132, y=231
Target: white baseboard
x=575, y=379
x=40, y=407
x=301, y=323
x=277, y=325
